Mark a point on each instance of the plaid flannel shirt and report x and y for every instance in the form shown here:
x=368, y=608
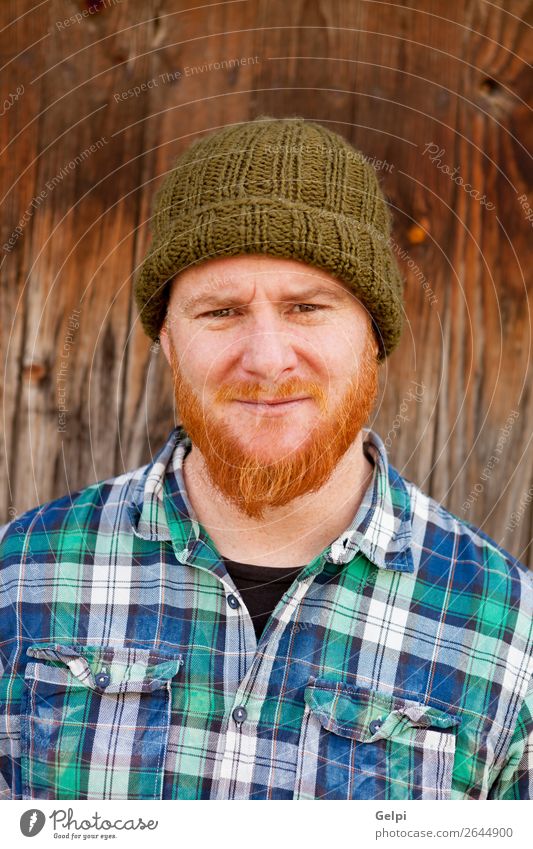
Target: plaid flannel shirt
x=398, y=665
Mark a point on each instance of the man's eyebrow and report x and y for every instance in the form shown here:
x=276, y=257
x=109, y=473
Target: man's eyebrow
x=215, y=298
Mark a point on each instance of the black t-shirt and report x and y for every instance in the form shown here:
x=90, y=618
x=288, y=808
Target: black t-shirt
x=261, y=587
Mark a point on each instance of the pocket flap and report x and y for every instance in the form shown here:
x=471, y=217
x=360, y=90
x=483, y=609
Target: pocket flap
x=106, y=669
x=366, y=715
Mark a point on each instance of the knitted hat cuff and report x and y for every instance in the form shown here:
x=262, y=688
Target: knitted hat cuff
x=355, y=253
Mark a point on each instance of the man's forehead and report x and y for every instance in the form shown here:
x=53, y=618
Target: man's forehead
x=205, y=284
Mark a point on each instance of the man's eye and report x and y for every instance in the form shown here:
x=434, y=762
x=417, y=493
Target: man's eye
x=312, y=306
x=225, y=309
x=217, y=313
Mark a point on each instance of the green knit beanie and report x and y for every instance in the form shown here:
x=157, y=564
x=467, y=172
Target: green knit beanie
x=286, y=187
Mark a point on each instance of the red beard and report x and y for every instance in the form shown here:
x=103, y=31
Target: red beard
x=252, y=482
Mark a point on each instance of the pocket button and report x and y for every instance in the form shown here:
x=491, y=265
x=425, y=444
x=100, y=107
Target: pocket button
x=103, y=679
x=375, y=725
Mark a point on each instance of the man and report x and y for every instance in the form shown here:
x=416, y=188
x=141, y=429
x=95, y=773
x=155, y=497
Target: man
x=268, y=610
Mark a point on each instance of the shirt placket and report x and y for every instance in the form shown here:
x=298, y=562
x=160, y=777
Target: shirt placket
x=236, y=761
x=247, y=664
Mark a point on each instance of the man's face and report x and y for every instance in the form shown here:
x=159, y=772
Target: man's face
x=242, y=335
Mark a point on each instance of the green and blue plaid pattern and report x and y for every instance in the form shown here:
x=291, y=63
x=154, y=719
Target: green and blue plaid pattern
x=398, y=665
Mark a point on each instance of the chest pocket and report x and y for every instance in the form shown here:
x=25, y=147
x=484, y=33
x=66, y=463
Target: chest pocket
x=356, y=743
x=95, y=722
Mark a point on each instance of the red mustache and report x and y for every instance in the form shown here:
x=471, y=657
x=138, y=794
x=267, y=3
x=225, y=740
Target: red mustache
x=289, y=391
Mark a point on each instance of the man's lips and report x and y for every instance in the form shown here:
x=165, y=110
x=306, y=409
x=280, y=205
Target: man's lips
x=274, y=402
x=274, y=408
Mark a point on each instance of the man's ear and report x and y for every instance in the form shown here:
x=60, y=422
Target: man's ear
x=375, y=340
x=165, y=341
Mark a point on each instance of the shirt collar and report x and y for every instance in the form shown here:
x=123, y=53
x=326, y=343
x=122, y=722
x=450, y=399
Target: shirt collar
x=381, y=528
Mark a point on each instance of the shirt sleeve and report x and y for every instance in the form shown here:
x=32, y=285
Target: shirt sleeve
x=515, y=779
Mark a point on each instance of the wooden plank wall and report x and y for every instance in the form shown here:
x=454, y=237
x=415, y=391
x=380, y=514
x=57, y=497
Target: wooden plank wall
x=433, y=93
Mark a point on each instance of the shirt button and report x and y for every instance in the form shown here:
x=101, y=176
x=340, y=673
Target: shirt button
x=375, y=725
x=233, y=601
x=103, y=679
x=240, y=713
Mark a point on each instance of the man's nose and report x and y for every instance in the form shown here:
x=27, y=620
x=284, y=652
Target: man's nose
x=268, y=349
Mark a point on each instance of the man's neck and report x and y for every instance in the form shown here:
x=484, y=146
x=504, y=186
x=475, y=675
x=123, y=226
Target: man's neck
x=291, y=535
